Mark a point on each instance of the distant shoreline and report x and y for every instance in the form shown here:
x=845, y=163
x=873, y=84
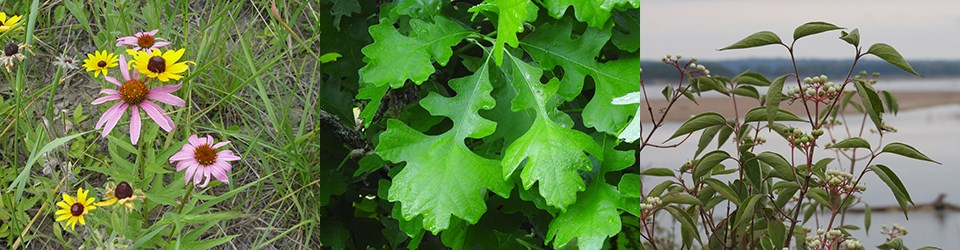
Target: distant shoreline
x=684, y=108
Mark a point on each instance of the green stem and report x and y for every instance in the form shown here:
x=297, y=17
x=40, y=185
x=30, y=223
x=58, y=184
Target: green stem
x=183, y=202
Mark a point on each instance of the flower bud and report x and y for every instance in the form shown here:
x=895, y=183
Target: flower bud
x=828, y=84
x=692, y=65
x=707, y=72
x=811, y=92
x=823, y=78
x=701, y=68
x=807, y=80
x=816, y=79
x=693, y=59
x=679, y=56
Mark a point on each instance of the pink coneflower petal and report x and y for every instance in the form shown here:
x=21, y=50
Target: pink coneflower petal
x=162, y=95
x=104, y=99
x=189, y=173
x=127, y=41
x=123, y=68
x=227, y=156
x=134, y=124
x=110, y=79
x=106, y=115
x=157, y=114
x=220, y=174
x=194, y=140
x=198, y=176
x=114, y=118
x=182, y=155
x=152, y=32
x=221, y=144
x=161, y=44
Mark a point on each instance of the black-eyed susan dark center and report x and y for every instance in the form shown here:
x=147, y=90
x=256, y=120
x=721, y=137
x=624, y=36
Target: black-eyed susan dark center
x=205, y=154
x=133, y=92
x=76, y=209
x=157, y=65
x=102, y=64
x=11, y=49
x=123, y=191
x=145, y=41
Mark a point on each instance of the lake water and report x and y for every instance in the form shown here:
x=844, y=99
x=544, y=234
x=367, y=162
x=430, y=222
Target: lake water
x=934, y=131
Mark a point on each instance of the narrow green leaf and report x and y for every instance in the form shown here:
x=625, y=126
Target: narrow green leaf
x=747, y=90
x=760, y=114
x=657, y=172
x=20, y=182
x=891, y=102
x=746, y=212
x=681, y=198
x=892, y=181
x=774, y=94
x=779, y=164
x=813, y=28
x=888, y=53
x=906, y=150
x=853, y=38
x=871, y=102
x=758, y=39
x=699, y=122
x=867, y=218
x=723, y=189
x=751, y=78
x=777, y=232
x=855, y=142
x=709, y=161
x=706, y=138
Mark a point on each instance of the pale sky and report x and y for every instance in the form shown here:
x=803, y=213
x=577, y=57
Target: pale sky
x=921, y=29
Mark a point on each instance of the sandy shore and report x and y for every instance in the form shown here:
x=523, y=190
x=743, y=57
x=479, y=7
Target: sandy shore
x=684, y=108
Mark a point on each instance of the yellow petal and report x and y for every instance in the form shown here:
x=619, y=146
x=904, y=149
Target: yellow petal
x=81, y=195
x=72, y=222
x=3, y=17
x=88, y=201
x=63, y=205
x=13, y=20
x=68, y=199
x=81, y=220
x=173, y=56
x=177, y=68
x=64, y=217
x=62, y=211
x=107, y=202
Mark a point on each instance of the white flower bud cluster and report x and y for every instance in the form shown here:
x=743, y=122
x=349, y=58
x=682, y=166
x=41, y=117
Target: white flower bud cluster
x=837, y=177
x=650, y=203
x=833, y=234
x=698, y=68
x=813, y=241
x=853, y=244
x=896, y=231
x=817, y=86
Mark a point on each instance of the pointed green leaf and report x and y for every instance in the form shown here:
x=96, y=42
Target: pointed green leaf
x=706, y=164
x=665, y=172
x=891, y=102
x=812, y=28
x=779, y=165
x=892, y=181
x=681, y=198
x=760, y=114
x=906, y=150
x=855, y=142
x=774, y=95
x=853, y=38
x=867, y=218
x=699, y=122
x=889, y=54
x=751, y=78
x=871, y=102
x=723, y=189
x=758, y=39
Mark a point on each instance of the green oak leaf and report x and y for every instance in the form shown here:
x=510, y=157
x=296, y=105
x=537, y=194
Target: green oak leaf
x=554, y=165
x=343, y=8
x=594, y=217
x=417, y=8
x=576, y=56
x=593, y=12
x=510, y=17
x=442, y=176
x=393, y=58
x=626, y=34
